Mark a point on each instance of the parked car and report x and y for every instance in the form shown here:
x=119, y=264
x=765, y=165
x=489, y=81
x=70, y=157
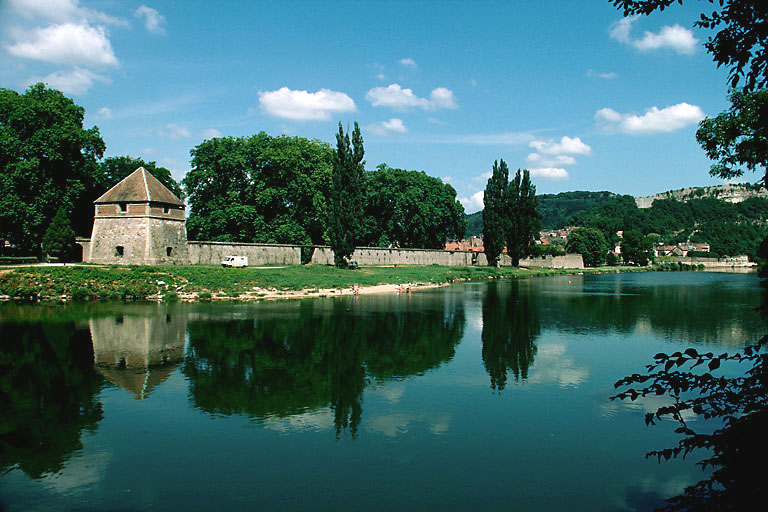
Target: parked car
x=235, y=261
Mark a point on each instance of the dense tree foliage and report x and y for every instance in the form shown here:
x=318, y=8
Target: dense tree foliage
x=636, y=248
x=737, y=137
x=116, y=168
x=590, y=243
x=741, y=44
x=47, y=161
x=346, y=195
x=259, y=189
x=409, y=209
x=524, y=220
x=496, y=212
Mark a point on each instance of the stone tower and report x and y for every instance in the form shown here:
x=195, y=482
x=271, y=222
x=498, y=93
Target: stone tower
x=139, y=222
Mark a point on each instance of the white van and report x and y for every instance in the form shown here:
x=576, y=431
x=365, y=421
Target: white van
x=235, y=261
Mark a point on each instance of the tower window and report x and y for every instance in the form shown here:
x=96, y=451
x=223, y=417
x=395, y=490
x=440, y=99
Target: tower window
x=119, y=250
x=166, y=209
x=123, y=207
x=168, y=251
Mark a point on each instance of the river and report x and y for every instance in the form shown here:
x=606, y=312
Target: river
x=490, y=395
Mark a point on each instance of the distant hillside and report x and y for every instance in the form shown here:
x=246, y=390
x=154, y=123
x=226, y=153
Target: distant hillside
x=730, y=228
x=731, y=193
x=554, y=209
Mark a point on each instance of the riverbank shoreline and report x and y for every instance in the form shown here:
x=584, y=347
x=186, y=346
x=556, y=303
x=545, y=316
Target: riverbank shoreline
x=87, y=283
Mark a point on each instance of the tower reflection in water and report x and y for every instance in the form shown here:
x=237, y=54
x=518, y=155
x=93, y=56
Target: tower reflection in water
x=138, y=353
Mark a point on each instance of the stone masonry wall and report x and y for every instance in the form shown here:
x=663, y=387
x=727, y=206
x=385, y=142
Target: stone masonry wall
x=145, y=241
x=212, y=253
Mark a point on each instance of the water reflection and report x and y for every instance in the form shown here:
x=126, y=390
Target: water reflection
x=137, y=352
x=48, y=394
x=316, y=353
x=689, y=307
x=511, y=324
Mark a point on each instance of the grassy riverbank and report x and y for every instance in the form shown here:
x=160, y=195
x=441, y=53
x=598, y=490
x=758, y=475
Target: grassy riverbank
x=201, y=282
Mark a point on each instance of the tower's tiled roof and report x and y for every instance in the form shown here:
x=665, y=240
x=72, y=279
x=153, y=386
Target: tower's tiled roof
x=139, y=187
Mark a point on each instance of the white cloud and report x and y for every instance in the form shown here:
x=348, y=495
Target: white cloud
x=210, y=133
x=381, y=76
x=175, y=131
x=408, y=63
x=395, y=97
x=550, y=161
x=566, y=146
x=394, y=125
x=442, y=98
x=305, y=106
x=549, y=173
x=105, y=112
x=60, y=11
x=76, y=44
x=483, y=177
x=605, y=76
x=76, y=81
x=153, y=20
x=675, y=37
x=474, y=202
x=654, y=120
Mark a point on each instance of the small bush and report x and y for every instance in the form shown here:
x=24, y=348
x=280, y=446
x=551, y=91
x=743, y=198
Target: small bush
x=171, y=297
x=204, y=296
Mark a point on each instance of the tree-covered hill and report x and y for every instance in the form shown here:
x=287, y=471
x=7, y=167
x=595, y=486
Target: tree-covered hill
x=554, y=209
x=729, y=228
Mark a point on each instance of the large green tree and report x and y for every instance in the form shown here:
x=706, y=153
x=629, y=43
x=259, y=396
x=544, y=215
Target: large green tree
x=590, y=243
x=495, y=212
x=346, y=195
x=259, y=189
x=636, y=248
x=48, y=161
x=409, y=209
x=116, y=168
x=738, y=136
x=524, y=221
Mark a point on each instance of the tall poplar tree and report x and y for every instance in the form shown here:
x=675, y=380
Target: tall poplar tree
x=495, y=212
x=524, y=219
x=346, y=195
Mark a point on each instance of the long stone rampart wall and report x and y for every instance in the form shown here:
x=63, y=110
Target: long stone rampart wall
x=212, y=253
x=736, y=261
x=387, y=256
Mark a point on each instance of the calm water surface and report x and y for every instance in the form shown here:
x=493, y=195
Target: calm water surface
x=490, y=396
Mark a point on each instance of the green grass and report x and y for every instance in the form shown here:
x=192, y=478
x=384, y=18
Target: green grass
x=88, y=283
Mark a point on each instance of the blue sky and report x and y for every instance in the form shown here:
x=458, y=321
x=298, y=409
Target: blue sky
x=567, y=89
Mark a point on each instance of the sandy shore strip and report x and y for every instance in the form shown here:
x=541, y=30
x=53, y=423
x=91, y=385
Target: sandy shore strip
x=273, y=293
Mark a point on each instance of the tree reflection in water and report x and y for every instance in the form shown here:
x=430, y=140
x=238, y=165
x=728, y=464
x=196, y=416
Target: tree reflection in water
x=511, y=324
x=48, y=395
x=321, y=353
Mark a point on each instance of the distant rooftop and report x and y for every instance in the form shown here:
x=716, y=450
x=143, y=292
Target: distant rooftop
x=139, y=187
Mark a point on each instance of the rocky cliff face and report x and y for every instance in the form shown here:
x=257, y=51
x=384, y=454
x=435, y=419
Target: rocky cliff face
x=732, y=193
